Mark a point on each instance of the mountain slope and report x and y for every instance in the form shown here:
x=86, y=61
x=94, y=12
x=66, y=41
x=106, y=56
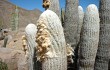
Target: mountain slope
x=25, y=16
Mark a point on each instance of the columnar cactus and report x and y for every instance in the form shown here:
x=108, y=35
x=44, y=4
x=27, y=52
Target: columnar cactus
x=15, y=19
x=103, y=53
x=89, y=38
x=12, y=22
x=30, y=35
x=81, y=16
x=71, y=21
x=51, y=49
x=52, y=5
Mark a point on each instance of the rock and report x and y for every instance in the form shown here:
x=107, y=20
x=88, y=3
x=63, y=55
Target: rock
x=15, y=59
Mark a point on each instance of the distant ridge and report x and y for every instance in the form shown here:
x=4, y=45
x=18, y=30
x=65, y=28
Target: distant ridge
x=25, y=16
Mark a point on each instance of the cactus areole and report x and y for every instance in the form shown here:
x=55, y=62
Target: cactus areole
x=51, y=49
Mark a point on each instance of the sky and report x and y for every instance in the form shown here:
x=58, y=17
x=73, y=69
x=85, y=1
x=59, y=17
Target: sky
x=37, y=4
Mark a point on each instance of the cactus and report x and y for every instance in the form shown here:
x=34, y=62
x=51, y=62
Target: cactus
x=70, y=25
x=81, y=16
x=89, y=38
x=71, y=21
x=52, y=5
x=30, y=33
x=15, y=19
x=103, y=53
x=51, y=49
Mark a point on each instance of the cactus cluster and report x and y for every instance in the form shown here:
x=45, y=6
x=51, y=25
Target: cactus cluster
x=84, y=32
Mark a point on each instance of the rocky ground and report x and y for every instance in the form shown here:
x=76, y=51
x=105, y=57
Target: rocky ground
x=13, y=55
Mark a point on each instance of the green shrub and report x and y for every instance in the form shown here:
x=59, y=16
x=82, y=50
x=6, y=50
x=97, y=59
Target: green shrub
x=3, y=66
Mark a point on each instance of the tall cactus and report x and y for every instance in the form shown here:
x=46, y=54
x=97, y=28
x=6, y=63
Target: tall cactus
x=53, y=5
x=51, y=42
x=103, y=53
x=15, y=19
x=70, y=25
x=89, y=38
x=81, y=16
x=30, y=33
x=71, y=21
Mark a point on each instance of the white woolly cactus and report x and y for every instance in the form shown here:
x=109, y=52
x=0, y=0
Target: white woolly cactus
x=29, y=43
x=71, y=22
x=92, y=8
x=89, y=38
x=81, y=16
x=51, y=49
x=31, y=29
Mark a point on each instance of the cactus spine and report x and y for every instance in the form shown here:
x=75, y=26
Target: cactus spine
x=89, y=39
x=15, y=19
x=30, y=33
x=103, y=53
x=51, y=42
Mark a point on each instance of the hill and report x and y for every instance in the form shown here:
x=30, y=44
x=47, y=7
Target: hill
x=25, y=16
